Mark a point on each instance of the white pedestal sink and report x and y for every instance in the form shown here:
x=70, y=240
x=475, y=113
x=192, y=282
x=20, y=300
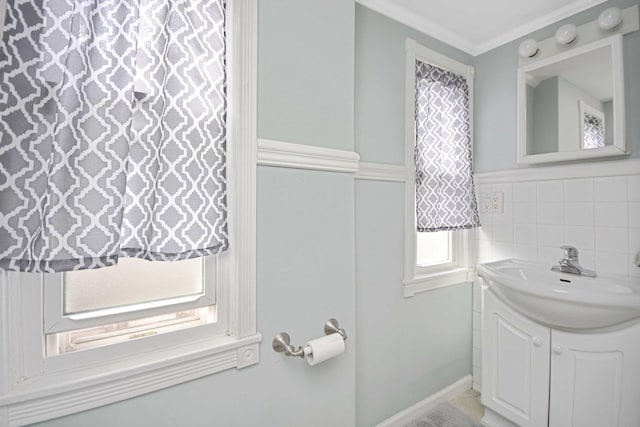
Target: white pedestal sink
x=561, y=299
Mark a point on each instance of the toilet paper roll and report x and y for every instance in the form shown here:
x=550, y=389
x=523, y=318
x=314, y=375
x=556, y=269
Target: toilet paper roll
x=325, y=348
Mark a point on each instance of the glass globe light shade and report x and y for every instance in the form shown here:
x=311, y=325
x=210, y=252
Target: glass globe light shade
x=610, y=19
x=566, y=34
x=528, y=48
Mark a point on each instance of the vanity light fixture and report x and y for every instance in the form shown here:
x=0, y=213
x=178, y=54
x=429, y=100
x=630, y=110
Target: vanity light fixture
x=528, y=48
x=567, y=34
x=610, y=19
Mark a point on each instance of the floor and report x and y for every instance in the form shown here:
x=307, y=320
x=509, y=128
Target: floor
x=469, y=403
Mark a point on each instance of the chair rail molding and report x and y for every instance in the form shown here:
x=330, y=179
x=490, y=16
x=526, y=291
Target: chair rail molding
x=570, y=171
x=299, y=156
x=382, y=172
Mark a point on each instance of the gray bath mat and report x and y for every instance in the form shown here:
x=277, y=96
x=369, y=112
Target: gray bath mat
x=444, y=415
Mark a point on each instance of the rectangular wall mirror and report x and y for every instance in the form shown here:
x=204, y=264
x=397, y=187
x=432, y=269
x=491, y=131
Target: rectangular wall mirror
x=571, y=105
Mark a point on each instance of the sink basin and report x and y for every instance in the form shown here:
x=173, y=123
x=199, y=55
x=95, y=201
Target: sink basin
x=563, y=300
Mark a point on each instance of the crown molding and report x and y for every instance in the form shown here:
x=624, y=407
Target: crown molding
x=537, y=24
x=433, y=29
x=425, y=26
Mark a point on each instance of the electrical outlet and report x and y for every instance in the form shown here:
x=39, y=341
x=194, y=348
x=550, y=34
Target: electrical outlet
x=493, y=203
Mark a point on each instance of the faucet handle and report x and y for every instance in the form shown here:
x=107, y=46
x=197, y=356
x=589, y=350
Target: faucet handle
x=570, y=252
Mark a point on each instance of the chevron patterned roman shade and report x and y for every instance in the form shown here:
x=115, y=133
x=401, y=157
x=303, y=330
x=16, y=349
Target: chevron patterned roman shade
x=112, y=127
x=445, y=198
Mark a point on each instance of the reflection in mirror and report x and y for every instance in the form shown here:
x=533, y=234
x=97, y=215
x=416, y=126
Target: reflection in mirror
x=571, y=105
x=593, y=127
x=561, y=94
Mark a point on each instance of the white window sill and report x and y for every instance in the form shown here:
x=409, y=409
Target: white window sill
x=69, y=391
x=428, y=282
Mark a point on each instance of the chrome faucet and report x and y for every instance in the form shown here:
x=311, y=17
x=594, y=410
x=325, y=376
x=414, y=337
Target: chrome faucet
x=570, y=264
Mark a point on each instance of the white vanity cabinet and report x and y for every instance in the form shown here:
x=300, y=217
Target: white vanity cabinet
x=536, y=376
x=515, y=364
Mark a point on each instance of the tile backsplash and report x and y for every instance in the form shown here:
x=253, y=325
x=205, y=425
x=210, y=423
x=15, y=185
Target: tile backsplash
x=600, y=216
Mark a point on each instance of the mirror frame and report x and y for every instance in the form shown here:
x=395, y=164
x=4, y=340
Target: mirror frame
x=619, y=147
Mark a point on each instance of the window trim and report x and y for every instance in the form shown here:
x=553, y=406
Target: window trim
x=419, y=279
x=35, y=389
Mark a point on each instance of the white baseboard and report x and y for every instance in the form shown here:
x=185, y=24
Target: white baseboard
x=404, y=417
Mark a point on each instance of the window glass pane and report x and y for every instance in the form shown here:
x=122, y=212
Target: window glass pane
x=132, y=281
x=433, y=248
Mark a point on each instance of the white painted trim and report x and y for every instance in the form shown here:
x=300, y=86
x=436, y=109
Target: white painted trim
x=382, y=172
x=409, y=254
x=414, y=280
x=404, y=417
x=546, y=173
x=243, y=318
x=619, y=147
x=435, y=30
x=66, y=394
x=430, y=56
x=299, y=156
x=437, y=280
x=424, y=26
x=528, y=28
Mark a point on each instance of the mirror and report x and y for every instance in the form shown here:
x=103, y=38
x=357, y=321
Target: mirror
x=571, y=105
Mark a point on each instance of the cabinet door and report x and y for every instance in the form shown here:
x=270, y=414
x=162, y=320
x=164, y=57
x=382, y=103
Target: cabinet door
x=515, y=364
x=595, y=379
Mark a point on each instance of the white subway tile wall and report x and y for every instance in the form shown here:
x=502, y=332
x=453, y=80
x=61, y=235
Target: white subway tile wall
x=600, y=216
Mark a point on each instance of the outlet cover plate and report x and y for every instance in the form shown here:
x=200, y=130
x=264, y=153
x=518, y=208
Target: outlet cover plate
x=493, y=202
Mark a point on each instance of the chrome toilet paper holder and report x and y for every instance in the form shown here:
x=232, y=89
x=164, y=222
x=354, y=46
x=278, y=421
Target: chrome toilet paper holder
x=282, y=341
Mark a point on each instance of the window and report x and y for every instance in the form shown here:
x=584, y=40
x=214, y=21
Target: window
x=62, y=353
x=133, y=299
x=440, y=201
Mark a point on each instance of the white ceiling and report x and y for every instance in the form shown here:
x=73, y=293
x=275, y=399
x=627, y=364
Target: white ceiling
x=477, y=26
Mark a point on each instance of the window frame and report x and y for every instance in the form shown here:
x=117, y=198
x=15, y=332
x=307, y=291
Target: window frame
x=55, y=320
x=34, y=388
x=453, y=256
x=420, y=279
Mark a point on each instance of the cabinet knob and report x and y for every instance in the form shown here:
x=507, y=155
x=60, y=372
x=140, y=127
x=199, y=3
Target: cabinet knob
x=537, y=341
x=557, y=349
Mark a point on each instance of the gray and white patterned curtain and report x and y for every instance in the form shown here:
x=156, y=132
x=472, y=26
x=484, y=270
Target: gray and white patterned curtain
x=445, y=198
x=112, y=126
x=593, y=131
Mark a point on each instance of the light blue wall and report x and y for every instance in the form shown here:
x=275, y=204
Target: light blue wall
x=305, y=243
x=495, y=94
x=305, y=276
x=306, y=67
x=379, y=84
x=408, y=348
